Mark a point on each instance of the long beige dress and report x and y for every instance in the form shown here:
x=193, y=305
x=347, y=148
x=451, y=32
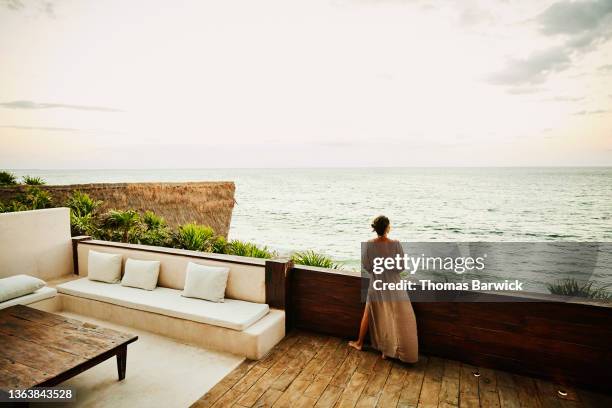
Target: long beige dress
x=393, y=328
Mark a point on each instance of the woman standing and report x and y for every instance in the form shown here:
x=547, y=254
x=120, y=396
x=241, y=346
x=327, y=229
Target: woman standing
x=388, y=314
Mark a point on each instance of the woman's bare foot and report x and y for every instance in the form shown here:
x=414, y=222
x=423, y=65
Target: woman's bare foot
x=355, y=345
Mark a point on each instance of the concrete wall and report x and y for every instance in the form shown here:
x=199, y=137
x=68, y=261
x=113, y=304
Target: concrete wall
x=207, y=203
x=36, y=243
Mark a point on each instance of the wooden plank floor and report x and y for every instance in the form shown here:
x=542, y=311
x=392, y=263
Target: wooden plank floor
x=309, y=370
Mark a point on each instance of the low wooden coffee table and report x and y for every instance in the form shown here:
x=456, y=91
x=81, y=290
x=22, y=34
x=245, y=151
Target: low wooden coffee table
x=41, y=349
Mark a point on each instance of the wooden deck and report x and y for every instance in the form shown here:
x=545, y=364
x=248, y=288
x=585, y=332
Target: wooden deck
x=309, y=370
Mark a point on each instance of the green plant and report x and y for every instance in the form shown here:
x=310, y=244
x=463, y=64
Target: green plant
x=152, y=220
x=34, y=198
x=156, y=237
x=15, y=206
x=218, y=245
x=573, y=287
x=82, y=204
x=241, y=248
x=193, y=236
x=124, y=222
x=154, y=230
x=7, y=179
x=33, y=181
x=84, y=225
x=83, y=209
x=311, y=258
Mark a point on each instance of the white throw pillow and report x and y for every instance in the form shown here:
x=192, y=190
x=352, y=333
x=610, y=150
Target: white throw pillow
x=104, y=267
x=205, y=282
x=18, y=285
x=140, y=274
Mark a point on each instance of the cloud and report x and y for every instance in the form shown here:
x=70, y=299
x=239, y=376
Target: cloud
x=574, y=17
x=591, y=112
x=63, y=129
x=582, y=26
x=564, y=99
x=534, y=69
x=607, y=67
x=45, y=6
x=525, y=90
x=36, y=105
x=40, y=128
x=12, y=4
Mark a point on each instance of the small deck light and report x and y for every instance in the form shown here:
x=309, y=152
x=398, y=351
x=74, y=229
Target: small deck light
x=562, y=393
x=476, y=373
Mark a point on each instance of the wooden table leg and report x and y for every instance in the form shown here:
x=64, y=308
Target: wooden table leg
x=121, y=361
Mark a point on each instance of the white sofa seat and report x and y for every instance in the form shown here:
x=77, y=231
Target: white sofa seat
x=41, y=294
x=231, y=314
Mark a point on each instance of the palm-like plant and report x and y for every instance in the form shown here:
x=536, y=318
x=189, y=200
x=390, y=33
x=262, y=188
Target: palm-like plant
x=154, y=230
x=123, y=221
x=241, y=248
x=33, y=198
x=312, y=258
x=15, y=206
x=219, y=245
x=33, y=181
x=84, y=225
x=152, y=220
x=83, y=211
x=193, y=237
x=572, y=287
x=7, y=179
x=82, y=204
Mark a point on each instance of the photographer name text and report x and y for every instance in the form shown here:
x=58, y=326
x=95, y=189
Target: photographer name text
x=425, y=284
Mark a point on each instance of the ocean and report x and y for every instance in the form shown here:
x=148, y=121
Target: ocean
x=330, y=210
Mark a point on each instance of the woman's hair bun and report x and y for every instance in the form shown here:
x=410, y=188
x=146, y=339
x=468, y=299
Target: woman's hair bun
x=380, y=225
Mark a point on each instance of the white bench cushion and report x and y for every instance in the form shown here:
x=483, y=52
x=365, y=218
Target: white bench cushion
x=232, y=314
x=40, y=294
x=18, y=285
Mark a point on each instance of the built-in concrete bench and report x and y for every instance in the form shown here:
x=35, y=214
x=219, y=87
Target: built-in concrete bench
x=37, y=296
x=244, y=324
x=231, y=314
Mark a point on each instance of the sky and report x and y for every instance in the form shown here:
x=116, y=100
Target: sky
x=283, y=83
